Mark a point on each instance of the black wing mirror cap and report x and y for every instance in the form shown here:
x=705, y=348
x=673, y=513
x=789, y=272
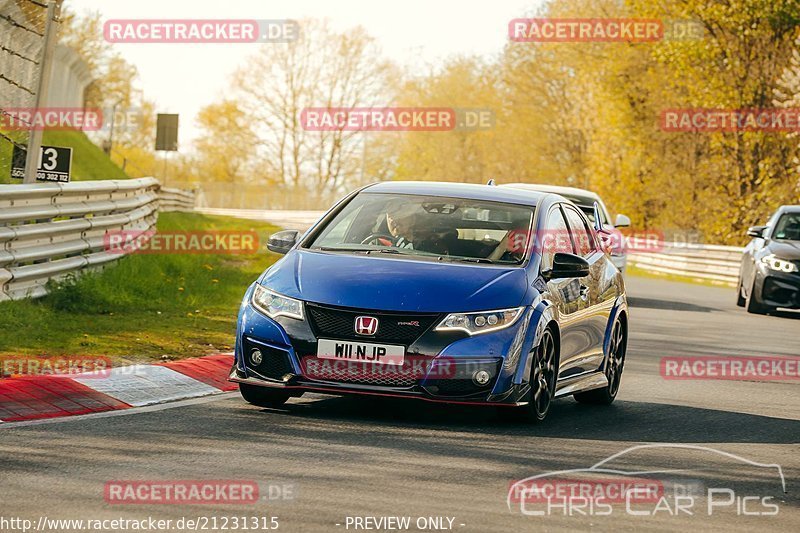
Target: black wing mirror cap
x=567, y=266
x=756, y=231
x=282, y=241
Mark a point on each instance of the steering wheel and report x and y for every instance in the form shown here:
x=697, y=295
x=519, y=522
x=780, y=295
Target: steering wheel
x=372, y=237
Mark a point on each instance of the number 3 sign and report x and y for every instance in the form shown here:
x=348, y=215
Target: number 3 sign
x=55, y=163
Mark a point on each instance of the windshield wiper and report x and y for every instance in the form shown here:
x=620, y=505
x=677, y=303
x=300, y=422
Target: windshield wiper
x=343, y=249
x=397, y=251
x=402, y=251
x=357, y=249
x=470, y=260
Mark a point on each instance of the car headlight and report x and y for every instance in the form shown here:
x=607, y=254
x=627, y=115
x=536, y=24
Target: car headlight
x=776, y=263
x=482, y=322
x=274, y=305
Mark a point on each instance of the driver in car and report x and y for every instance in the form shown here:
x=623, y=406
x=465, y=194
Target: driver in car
x=398, y=223
x=401, y=226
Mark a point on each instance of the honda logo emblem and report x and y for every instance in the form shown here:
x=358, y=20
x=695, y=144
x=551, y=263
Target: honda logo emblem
x=366, y=325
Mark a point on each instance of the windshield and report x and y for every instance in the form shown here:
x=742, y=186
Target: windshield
x=787, y=228
x=429, y=227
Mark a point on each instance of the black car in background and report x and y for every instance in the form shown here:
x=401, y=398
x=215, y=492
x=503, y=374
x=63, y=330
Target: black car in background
x=769, y=276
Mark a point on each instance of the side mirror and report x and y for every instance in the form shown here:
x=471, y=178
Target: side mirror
x=622, y=221
x=282, y=241
x=756, y=231
x=567, y=266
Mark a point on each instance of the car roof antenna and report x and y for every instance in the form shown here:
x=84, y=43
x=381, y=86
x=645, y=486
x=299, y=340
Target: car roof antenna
x=490, y=182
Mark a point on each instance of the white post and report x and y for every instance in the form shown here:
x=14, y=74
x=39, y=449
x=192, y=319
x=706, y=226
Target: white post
x=45, y=71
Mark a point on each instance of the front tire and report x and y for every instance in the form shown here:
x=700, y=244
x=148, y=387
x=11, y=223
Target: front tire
x=263, y=396
x=613, y=369
x=542, y=381
x=754, y=306
x=740, y=300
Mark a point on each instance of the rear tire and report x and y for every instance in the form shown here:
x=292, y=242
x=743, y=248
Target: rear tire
x=263, y=396
x=613, y=369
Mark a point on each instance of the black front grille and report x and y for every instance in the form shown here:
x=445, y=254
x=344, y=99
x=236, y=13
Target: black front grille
x=460, y=383
x=274, y=362
x=460, y=387
x=780, y=292
x=393, y=328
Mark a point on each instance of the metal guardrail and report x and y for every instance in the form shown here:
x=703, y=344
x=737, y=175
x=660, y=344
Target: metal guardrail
x=49, y=231
x=176, y=199
x=700, y=261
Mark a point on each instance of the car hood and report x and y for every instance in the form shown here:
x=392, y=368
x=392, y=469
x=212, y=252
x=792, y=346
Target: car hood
x=394, y=284
x=785, y=249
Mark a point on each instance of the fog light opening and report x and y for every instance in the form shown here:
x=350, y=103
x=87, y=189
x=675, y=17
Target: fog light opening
x=481, y=377
x=256, y=357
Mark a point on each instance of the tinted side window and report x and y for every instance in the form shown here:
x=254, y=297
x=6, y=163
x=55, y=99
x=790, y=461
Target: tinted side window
x=581, y=234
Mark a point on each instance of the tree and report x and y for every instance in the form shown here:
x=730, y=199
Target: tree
x=113, y=76
x=462, y=154
x=226, y=147
x=737, y=65
x=324, y=68
x=113, y=90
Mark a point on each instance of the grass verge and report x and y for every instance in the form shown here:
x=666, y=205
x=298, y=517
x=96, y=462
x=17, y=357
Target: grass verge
x=144, y=306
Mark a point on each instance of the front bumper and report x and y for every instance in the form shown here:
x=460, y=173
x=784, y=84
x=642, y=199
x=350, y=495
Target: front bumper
x=297, y=384
x=438, y=366
x=778, y=289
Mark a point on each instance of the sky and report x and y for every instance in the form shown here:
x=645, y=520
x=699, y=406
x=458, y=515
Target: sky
x=182, y=78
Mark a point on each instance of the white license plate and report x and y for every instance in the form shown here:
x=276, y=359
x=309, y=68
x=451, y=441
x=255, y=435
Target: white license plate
x=367, y=352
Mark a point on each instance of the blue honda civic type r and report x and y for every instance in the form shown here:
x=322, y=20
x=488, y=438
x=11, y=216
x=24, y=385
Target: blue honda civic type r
x=441, y=292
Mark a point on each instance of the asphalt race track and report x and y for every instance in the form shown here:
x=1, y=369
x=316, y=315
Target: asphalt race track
x=362, y=457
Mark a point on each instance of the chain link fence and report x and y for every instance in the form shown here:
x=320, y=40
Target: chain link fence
x=22, y=25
